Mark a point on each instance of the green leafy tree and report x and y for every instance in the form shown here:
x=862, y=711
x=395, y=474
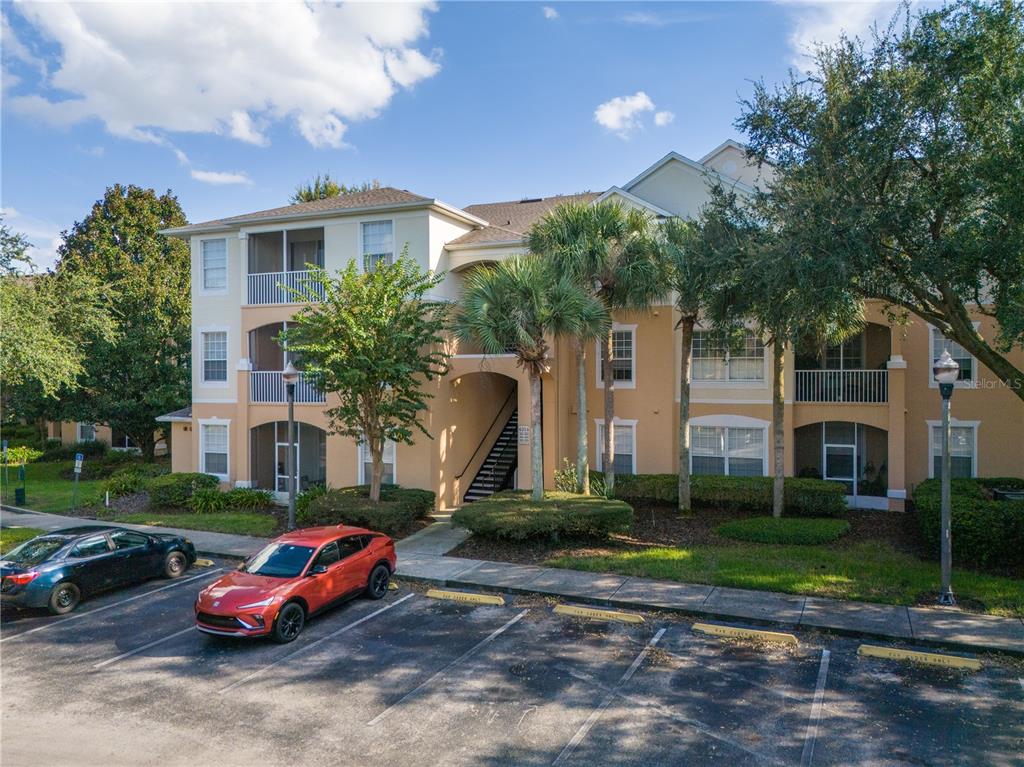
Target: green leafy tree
x=322, y=187
x=14, y=258
x=144, y=371
x=608, y=251
x=901, y=170
x=520, y=304
x=375, y=340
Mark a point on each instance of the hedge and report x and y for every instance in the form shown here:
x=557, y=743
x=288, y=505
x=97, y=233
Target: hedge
x=174, y=490
x=209, y=500
x=396, y=511
x=987, y=534
x=803, y=497
x=514, y=515
x=92, y=448
x=786, y=531
x=133, y=478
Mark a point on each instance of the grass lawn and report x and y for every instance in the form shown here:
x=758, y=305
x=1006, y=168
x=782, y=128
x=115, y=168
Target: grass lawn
x=869, y=571
x=12, y=536
x=236, y=522
x=46, y=489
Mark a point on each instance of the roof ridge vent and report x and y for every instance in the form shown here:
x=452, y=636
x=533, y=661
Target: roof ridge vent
x=531, y=199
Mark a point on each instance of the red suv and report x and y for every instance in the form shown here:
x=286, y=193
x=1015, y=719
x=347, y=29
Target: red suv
x=295, y=576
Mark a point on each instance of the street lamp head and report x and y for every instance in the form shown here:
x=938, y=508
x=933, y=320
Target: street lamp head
x=945, y=369
x=291, y=374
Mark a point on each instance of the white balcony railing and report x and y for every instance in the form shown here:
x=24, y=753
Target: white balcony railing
x=267, y=386
x=842, y=386
x=277, y=287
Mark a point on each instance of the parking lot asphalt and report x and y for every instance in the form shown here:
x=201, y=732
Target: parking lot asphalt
x=410, y=680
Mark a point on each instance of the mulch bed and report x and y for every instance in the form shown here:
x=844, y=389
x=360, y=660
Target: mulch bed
x=664, y=526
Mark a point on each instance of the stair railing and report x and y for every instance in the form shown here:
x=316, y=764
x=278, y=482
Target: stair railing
x=483, y=439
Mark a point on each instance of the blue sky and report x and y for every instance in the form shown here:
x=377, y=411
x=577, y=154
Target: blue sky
x=225, y=105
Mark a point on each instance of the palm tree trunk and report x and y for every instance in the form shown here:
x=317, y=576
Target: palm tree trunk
x=537, y=444
x=686, y=341
x=608, y=460
x=582, y=469
x=778, y=427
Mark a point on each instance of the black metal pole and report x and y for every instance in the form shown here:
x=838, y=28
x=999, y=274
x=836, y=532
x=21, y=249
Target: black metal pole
x=291, y=456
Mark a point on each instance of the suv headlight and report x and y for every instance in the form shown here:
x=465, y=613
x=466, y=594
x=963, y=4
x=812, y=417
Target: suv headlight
x=262, y=603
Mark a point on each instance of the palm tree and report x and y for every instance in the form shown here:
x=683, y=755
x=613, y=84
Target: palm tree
x=608, y=251
x=519, y=304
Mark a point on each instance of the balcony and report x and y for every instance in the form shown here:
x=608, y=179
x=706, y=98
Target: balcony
x=267, y=387
x=277, y=287
x=851, y=386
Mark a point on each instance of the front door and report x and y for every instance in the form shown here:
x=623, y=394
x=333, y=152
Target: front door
x=137, y=551
x=94, y=565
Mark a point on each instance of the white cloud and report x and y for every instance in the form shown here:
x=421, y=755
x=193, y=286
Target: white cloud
x=219, y=178
x=661, y=119
x=44, y=236
x=621, y=115
x=824, y=21
x=549, y=13
x=149, y=69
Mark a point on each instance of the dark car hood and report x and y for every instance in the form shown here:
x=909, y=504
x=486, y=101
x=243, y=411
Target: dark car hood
x=238, y=588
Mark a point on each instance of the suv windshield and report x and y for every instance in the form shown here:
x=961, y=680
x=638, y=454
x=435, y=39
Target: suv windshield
x=36, y=551
x=280, y=560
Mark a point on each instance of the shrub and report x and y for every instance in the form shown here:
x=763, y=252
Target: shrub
x=132, y=479
x=208, y=500
x=801, y=532
x=21, y=454
x=306, y=497
x=803, y=497
x=90, y=449
x=565, y=478
x=248, y=499
x=513, y=515
x=175, y=490
x=398, y=508
x=987, y=534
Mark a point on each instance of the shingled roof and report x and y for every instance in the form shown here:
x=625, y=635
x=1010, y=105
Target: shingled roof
x=509, y=221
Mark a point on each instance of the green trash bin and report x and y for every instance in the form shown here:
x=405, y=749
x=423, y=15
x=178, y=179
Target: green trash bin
x=19, y=496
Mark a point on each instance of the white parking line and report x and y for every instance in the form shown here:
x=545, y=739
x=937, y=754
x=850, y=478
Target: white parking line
x=581, y=733
x=137, y=650
x=812, y=722
x=311, y=645
x=204, y=574
x=486, y=640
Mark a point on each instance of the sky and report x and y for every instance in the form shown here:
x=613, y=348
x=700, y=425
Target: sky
x=231, y=105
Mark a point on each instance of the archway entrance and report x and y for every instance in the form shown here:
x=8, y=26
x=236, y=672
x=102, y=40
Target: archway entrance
x=268, y=446
x=852, y=453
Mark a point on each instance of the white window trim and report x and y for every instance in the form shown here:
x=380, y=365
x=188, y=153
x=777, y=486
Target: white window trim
x=202, y=367
x=359, y=240
x=361, y=473
x=78, y=431
x=734, y=422
x=597, y=359
x=730, y=383
x=203, y=290
x=953, y=422
x=599, y=443
x=970, y=383
x=202, y=445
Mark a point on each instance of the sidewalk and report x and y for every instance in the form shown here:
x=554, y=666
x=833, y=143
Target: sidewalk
x=421, y=558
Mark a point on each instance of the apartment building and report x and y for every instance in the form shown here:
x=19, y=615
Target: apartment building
x=864, y=413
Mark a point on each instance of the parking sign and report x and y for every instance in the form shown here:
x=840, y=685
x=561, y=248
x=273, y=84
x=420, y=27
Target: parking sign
x=78, y=463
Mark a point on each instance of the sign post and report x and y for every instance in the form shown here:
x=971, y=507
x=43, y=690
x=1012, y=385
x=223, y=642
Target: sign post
x=78, y=471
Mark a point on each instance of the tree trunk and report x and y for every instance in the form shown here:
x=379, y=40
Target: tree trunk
x=608, y=460
x=686, y=341
x=41, y=433
x=962, y=331
x=582, y=469
x=147, y=444
x=537, y=442
x=778, y=427
x=376, y=469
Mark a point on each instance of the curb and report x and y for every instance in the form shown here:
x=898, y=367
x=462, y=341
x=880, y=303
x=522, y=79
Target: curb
x=455, y=582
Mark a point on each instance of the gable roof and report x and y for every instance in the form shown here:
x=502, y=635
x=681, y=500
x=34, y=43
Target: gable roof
x=508, y=222
x=693, y=165
x=638, y=201
x=372, y=199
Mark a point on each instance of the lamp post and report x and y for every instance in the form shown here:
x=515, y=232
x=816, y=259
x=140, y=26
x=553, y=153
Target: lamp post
x=946, y=371
x=291, y=377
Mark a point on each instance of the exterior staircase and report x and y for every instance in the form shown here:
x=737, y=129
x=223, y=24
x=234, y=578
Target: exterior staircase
x=500, y=464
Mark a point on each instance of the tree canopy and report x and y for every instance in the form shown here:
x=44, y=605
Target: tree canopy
x=901, y=170
x=374, y=340
x=322, y=187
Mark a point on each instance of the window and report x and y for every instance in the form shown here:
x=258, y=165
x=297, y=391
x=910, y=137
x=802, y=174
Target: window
x=126, y=539
x=961, y=449
x=86, y=432
x=713, y=362
x=963, y=358
x=90, y=547
x=727, y=450
x=366, y=463
x=378, y=244
x=215, y=264
x=328, y=555
x=215, y=356
x=351, y=545
x=623, y=362
x=625, y=454
x=215, y=449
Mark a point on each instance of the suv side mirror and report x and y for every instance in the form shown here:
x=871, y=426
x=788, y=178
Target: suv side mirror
x=318, y=569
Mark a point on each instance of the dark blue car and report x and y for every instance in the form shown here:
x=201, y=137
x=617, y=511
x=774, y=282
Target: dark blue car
x=58, y=569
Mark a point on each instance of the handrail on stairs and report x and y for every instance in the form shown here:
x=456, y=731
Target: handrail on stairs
x=484, y=438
